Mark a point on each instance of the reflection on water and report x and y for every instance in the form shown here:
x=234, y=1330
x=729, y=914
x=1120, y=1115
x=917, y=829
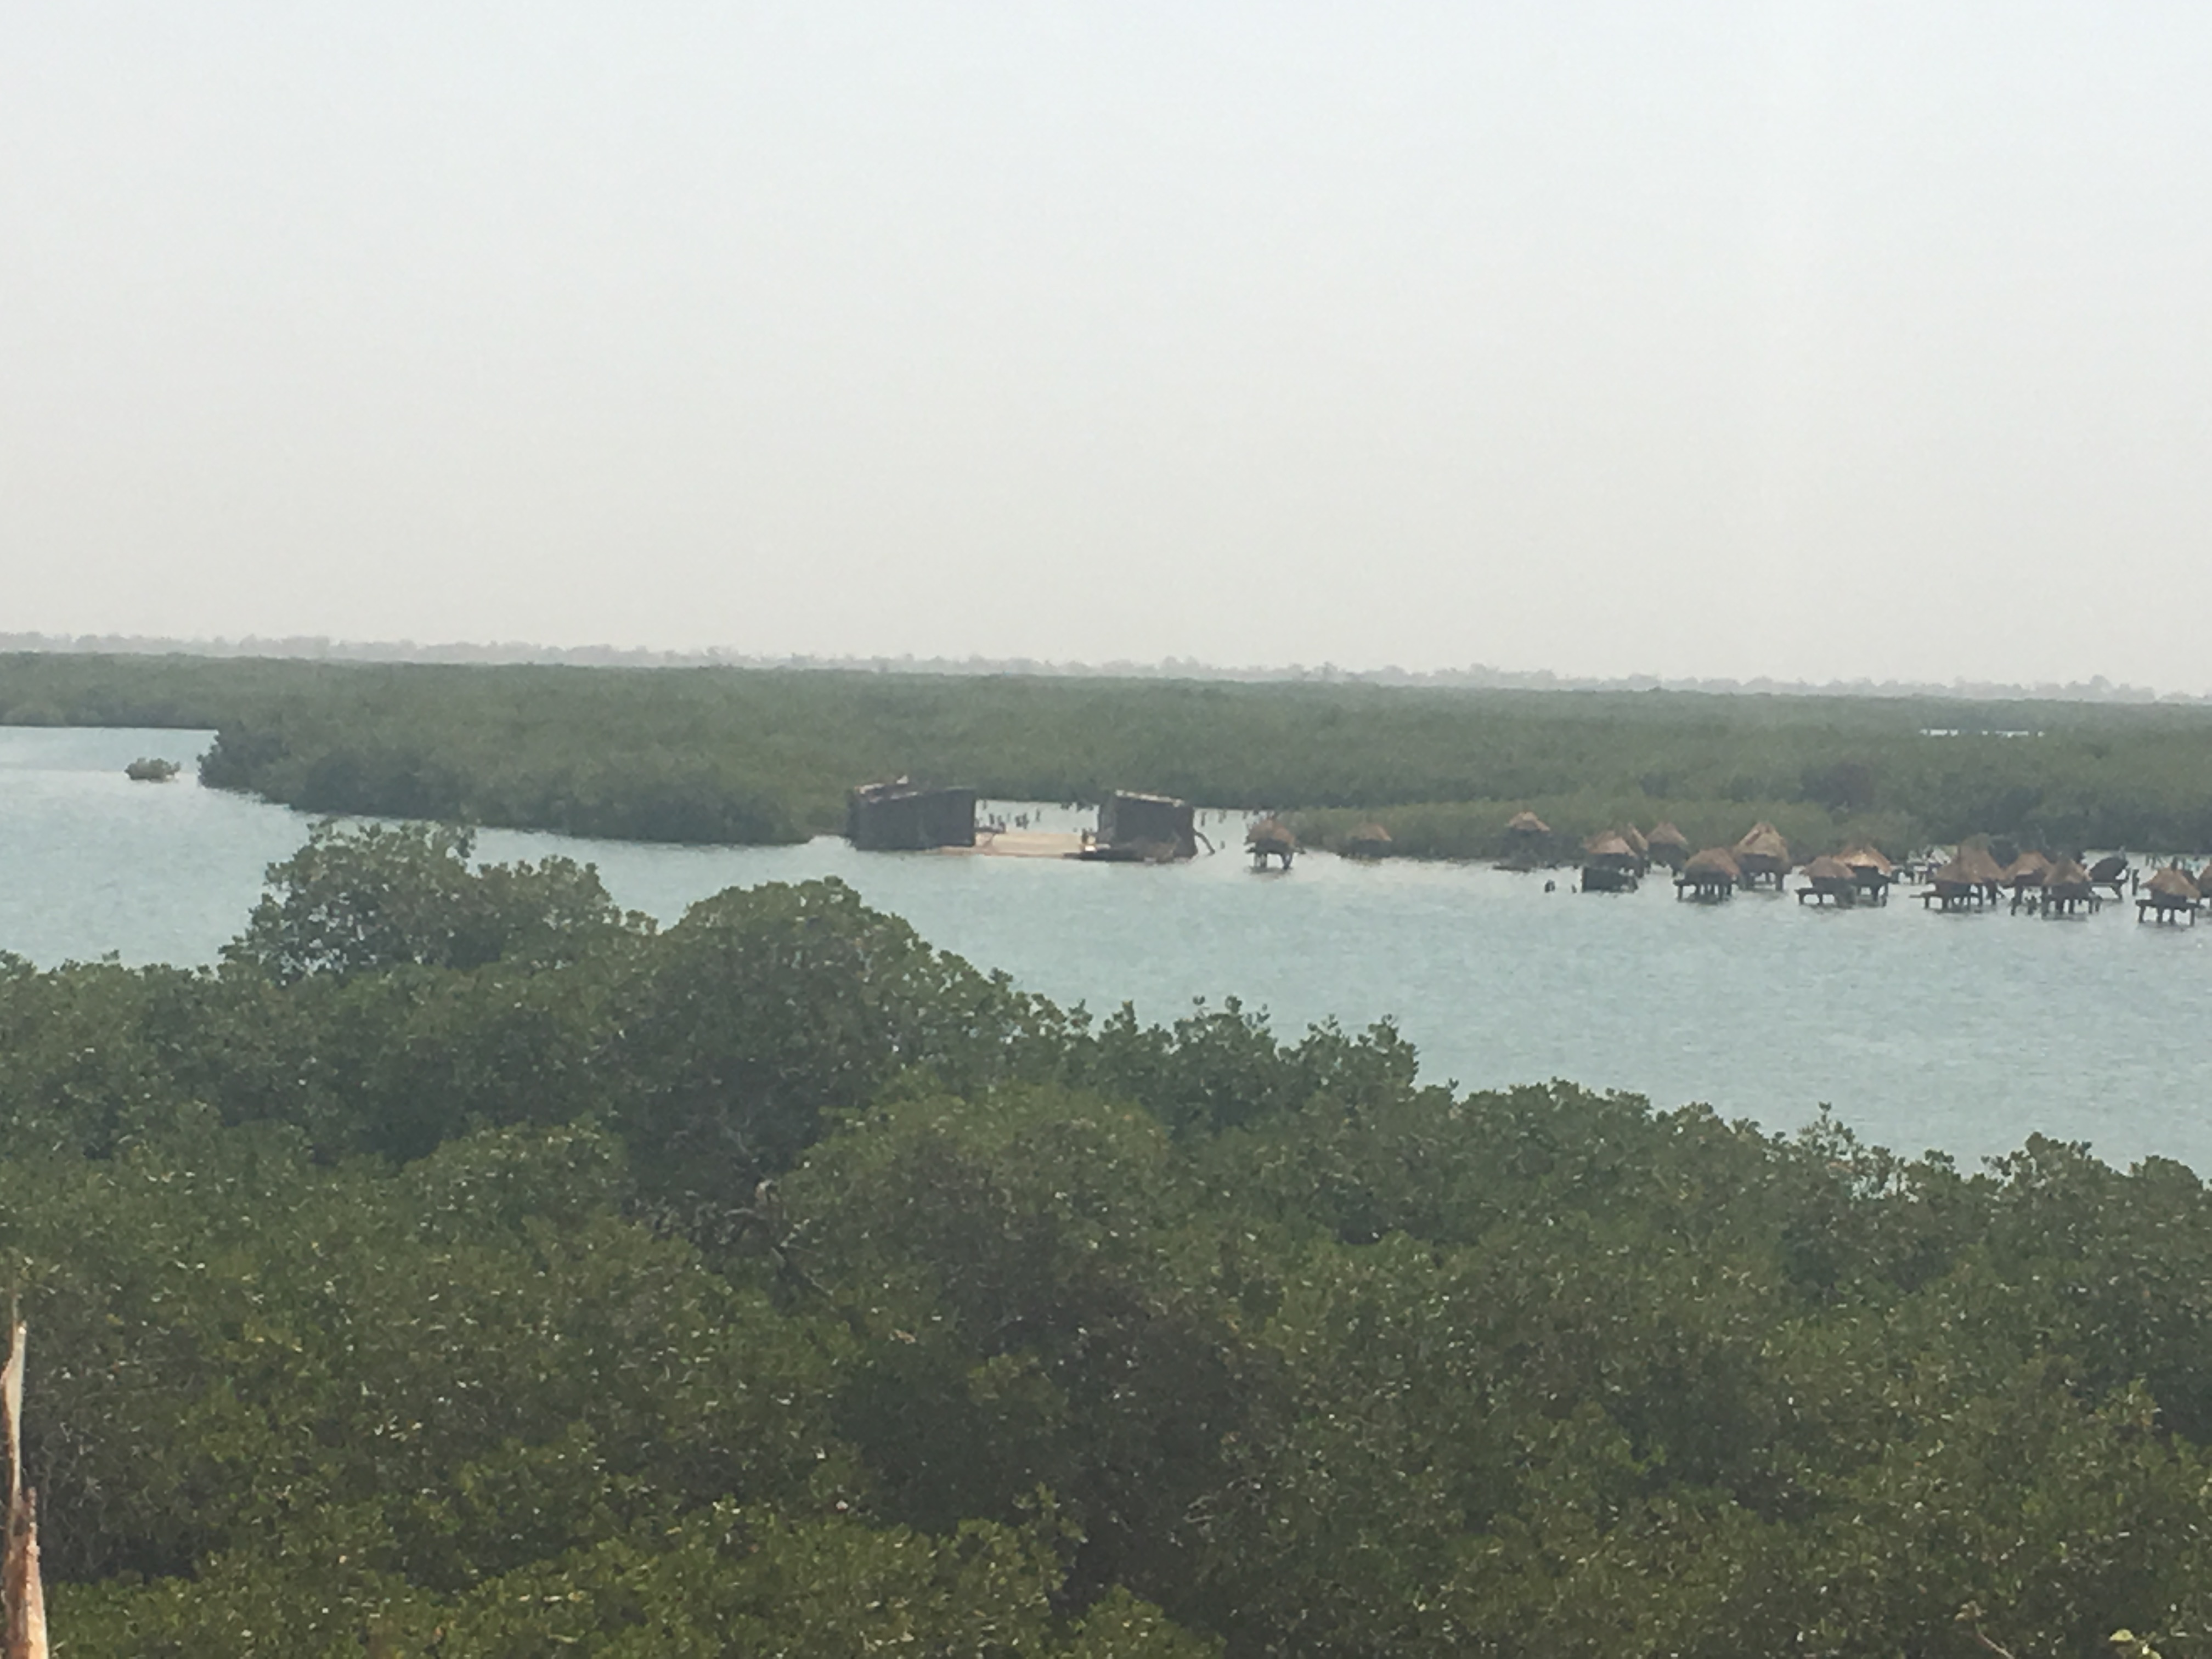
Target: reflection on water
x=1964, y=1032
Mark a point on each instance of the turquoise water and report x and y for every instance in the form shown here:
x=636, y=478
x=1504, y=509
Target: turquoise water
x=1959, y=1032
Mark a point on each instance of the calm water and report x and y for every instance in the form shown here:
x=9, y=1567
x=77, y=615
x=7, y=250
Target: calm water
x=1962, y=1032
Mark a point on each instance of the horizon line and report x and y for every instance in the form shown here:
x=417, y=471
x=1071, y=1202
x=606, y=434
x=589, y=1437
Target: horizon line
x=1474, y=677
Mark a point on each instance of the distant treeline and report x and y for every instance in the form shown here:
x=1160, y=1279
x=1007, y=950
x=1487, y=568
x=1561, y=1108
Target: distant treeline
x=465, y=1268
x=733, y=754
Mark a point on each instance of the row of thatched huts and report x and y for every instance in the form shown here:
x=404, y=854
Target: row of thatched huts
x=901, y=816
x=1616, y=860
x=1859, y=874
x=1971, y=877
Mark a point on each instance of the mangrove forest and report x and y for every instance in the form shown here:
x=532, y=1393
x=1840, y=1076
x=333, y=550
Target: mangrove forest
x=463, y=1266
x=726, y=754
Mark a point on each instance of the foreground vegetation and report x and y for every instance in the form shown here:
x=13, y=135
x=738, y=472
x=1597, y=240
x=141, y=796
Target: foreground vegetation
x=464, y=1267
x=725, y=755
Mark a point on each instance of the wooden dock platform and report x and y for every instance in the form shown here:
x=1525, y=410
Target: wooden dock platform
x=1021, y=844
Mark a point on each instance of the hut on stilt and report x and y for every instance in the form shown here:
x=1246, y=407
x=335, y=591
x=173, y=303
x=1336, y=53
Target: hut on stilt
x=2067, y=888
x=2111, y=870
x=2023, y=876
x=1271, y=838
x=1610, y=864
x=1829, y=880
x=1763, y=856
x=2168, y=895
x=1710, y=876
x=1984, y=865
x=1668, y=846
x=1369, y=841
x=1872, y=871
x=1525, y=834
x=1970, y=881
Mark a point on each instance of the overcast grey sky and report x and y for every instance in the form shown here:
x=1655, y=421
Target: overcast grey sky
x=1804, y=340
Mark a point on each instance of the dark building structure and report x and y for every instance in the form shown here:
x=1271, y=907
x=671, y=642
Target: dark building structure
x=899, y=817
x=1149, y=821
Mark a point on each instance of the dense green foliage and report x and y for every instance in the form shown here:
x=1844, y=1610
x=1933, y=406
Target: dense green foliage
x=728, y=755
x=465, y=1268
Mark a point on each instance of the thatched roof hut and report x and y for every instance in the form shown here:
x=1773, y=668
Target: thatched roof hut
x=1866, y=856
x=1972, y=862
x=2027, y=871
x=1713, y=873
x=2066, y=885
x=1763, y=855
x=1610, y=848
x=2169, y=892
x=1369, y=841
x=1762, y=840
x=1828, y=878
x=1270, y=838
x=2174, y=882
x=1609, y=864
x=1636, y=844
x=1870, y=870
x=2065, y=873
x=1525, y=834
x=1970, y=876
x=1667, y=845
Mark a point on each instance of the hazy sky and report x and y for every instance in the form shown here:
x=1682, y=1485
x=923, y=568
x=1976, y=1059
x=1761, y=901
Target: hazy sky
x=1804, y=340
